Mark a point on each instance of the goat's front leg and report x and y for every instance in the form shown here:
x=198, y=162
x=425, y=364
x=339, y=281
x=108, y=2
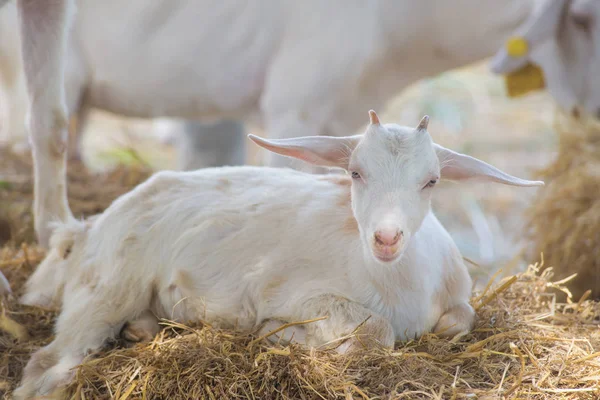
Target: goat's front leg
x=344, y=317
x=142, y=329
x=457, y=319
x=89, y=317
x=44, y=30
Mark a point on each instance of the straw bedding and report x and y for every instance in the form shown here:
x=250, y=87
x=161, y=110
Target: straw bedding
x=525, y=344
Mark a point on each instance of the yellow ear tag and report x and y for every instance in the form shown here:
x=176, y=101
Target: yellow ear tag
x=517, y=47
x=526, y=79
x=522, y=81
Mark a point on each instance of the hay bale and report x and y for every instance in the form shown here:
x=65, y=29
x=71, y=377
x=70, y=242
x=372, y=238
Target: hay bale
x=564, y=220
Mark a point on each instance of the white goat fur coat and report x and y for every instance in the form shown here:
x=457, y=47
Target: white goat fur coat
x=195, y=246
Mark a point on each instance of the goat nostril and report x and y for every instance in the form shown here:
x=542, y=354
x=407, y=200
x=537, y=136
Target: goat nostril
x=386, y=238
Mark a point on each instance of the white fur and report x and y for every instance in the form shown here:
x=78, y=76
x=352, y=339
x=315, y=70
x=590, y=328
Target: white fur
x=238, y=246
x=295, y=67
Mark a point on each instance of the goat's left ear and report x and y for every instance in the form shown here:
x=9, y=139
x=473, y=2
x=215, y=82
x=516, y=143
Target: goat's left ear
x=326, y=151
x=457, y=166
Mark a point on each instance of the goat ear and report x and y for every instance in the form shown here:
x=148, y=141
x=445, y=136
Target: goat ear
x=326, y=151
x=457, y=166
x=541, y=26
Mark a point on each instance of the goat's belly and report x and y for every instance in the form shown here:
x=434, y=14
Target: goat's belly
x=191, y=297
x=189, y=59
x=189, y=99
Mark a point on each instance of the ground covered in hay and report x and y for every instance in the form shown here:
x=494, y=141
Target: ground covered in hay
x=525, y=345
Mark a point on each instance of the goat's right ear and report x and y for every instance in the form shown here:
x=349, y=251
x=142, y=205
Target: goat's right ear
x=541, y=26
x=326, y=151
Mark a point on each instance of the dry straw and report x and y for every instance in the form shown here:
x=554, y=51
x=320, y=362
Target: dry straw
x=564, y=220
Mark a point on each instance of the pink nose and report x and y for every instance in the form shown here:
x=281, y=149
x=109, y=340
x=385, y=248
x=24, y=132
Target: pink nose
x=387, y=237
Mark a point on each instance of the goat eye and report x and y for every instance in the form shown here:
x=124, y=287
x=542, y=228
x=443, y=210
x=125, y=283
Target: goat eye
x=355, y=175
x=431, y=183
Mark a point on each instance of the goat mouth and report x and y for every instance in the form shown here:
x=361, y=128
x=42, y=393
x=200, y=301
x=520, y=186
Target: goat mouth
x=386, y=254
x=386, y=259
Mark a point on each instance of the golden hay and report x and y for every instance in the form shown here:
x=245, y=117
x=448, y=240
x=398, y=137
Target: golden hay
x=564, y=220
x=525, y=345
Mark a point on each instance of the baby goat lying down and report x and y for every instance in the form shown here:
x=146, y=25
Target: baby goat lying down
x=240, y=246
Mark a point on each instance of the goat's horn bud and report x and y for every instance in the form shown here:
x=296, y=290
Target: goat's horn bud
x=373, y=118
x=423, y=124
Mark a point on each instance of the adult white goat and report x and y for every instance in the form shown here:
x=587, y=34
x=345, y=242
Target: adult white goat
x=295, y=67
x=238, y=246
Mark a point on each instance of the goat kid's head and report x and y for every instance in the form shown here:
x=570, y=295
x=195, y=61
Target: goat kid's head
x=394, y=170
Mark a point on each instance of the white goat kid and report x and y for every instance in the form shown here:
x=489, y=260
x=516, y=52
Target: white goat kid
x=238, y=246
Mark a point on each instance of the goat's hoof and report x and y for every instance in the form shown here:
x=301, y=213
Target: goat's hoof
x=135, y=334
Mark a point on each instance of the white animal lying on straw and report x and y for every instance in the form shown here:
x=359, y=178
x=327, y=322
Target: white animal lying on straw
x=238, y=246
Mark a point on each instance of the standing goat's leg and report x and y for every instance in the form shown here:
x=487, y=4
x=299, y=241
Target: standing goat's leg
x=204, y=145
x=44, y=30
x=345, y=317
x=13, y=96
